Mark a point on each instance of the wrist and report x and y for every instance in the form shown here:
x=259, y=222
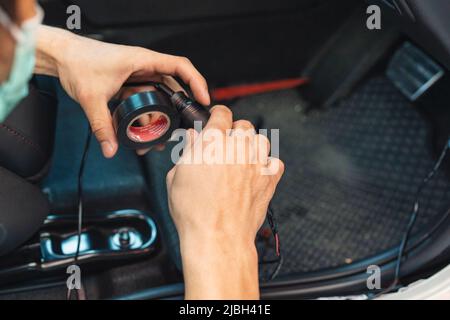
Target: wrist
x=226, y=246
x=218, y=267
x=51, y=49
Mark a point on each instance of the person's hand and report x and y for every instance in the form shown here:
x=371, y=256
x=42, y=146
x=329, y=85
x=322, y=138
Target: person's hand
x=92, y=72
x=218, y=208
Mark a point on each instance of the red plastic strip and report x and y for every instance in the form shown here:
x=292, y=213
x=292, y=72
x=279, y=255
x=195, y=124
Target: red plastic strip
x=238, y=91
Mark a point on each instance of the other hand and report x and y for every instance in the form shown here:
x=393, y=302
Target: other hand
x=218, y=209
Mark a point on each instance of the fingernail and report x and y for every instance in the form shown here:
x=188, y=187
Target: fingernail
x=108, y=149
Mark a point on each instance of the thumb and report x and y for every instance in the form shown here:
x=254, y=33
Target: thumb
x=100, y=120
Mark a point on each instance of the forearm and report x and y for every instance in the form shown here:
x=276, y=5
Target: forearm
x=50, y=48
x=217, y=268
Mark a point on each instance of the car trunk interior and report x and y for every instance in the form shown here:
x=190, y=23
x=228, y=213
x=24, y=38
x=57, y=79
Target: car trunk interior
x=355, y=148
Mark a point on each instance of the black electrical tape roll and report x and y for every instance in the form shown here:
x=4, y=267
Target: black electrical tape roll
x=162, y=121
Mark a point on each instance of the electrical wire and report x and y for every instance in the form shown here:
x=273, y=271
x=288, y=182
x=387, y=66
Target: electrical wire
x=412, y=221
x=274, y=227
x=81, y=294
x=80, y=191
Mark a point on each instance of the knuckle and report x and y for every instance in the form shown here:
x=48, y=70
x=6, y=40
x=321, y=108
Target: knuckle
x=98, y=126
x=244, y=124
x=276, y=169
x=222, y=110
x=223, y=121
x=263, y=140
x=281, y=166
x=185, y=61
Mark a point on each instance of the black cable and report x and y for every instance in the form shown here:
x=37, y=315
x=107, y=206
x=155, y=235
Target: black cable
x=80, y=191
x=81, y=294
x=277, y=269
x=412, y=221
x=274, y=227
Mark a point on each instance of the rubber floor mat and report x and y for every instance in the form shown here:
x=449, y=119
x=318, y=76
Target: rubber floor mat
x=351, y=174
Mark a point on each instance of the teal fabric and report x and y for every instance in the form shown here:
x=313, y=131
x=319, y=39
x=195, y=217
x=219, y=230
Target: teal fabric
x=15, y=88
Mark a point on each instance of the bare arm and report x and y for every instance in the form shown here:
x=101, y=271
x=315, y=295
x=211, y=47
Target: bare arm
x=219, y=208
x=92, y=72
x=218, y=267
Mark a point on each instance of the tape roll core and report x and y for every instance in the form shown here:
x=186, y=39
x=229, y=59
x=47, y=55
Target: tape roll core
x=162, y=119
x=156, y=124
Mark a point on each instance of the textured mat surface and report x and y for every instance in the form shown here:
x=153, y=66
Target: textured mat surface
x=351, y=174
